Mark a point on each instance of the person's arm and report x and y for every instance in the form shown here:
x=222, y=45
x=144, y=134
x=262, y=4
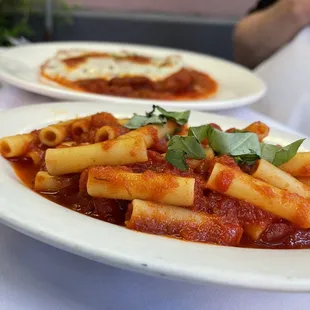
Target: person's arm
x=260, y=34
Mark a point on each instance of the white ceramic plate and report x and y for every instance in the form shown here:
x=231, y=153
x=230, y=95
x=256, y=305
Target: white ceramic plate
x=237, y=86
x=35, y=216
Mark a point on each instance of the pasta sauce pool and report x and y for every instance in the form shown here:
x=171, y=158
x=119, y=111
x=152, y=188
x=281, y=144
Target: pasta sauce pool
x=278, y=233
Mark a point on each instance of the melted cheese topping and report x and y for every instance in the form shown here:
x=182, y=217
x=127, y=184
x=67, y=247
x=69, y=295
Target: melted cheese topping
x=109, y=66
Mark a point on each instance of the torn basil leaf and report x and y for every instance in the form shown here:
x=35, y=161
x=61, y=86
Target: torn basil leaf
x=246, y=159
x=177, y=159
x=180, y=118
x=189, y=145
x=200, y=132
x=138, y=121
x=180, y=148
x=279, y=155
x=269, y=151
x=243, y=146
x=233, y=144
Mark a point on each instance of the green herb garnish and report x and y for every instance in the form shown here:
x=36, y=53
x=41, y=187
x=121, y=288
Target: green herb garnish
x=181, y=118
x=279, y=155
x=180, y=148
x=138, y=121
x=242, y=146
x=233, y=144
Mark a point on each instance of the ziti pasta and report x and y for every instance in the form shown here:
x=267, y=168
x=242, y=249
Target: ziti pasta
x=154, y=174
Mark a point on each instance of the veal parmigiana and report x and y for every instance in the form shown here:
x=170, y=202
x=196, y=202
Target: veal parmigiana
x=241, y=145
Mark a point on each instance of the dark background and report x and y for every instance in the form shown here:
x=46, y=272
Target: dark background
x=196, y=34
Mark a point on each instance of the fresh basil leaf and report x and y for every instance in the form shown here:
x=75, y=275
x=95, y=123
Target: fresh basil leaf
x=138, y=121
x=189, y=145
x=233, y=144
x=135, y=122
x=156, y=119
x=200, y=132
x=248, y=158
x=269, y=151
x=280, y=155
x=180, y=148
x=180, y=118
x=177, y=159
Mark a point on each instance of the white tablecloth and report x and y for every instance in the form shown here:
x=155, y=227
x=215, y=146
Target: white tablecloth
x=36, y=276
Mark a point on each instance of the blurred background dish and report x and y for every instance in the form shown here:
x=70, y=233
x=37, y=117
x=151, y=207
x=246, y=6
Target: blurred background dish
x=200, y=27
x=128, y=74
x=237, y=86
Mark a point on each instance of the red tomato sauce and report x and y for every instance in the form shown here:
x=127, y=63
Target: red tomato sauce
x=279, y=233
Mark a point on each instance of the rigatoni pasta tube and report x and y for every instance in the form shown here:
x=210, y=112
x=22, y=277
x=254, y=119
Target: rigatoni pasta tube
x=113, y=152
x=269, y=173
x=116, y=183
x=182, y=223
x=151, y=133
x=105, y=133
x=53, y=135
x=15, y=146
x=80, y=127
x=237, y=184
x=298, y=166
x=47, y=183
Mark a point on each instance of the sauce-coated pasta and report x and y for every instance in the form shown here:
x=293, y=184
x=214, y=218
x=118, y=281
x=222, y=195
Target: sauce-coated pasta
x=165, y=178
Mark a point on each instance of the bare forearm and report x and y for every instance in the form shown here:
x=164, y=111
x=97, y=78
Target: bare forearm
x=261, y=34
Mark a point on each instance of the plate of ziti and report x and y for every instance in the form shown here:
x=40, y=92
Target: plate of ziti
x=172, y=193
x=130, y=73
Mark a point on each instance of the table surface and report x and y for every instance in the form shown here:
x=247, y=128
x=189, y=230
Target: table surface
x=35, y=276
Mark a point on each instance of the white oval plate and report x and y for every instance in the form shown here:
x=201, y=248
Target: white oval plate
x=238, y=86
x=39, y=218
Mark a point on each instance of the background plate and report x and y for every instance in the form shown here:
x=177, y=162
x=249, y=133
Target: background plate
x=238, y=86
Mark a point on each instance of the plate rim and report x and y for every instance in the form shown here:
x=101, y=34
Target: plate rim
x=69, y=95
x=280, y=283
